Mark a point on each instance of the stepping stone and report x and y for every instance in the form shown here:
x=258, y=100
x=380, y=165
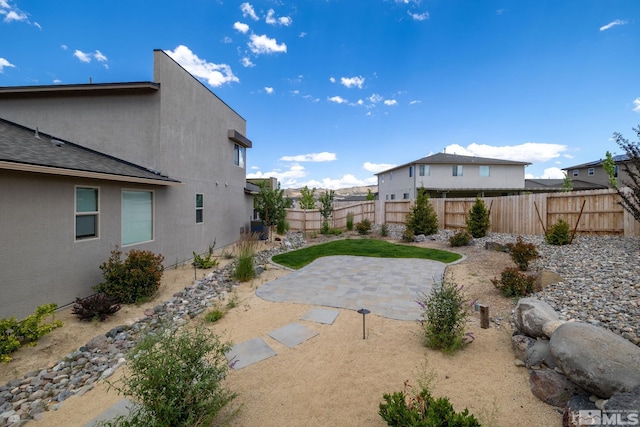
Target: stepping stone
x=321, y=315
x=249, y=352
x=292, y=334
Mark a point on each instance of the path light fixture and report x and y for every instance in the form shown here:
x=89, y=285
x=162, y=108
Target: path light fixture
x=195, y=270
x=364, y=312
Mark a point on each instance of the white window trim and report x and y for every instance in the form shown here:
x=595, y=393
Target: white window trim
x=458, y=170
x=591, y=171
x=153, y=216
x=576, y=172
x=76, y=214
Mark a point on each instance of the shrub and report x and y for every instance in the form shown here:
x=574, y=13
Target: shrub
x=461, y=238
x=404, y=409
x=324, y=229
x=350, y=221
x=15, y=334
x=204, y=261
x=444, y=317
x=408, y=234
x=98, y=306
x=423, y=218
x=282, y=226
x=478, y=220
x=384, y=230
x=363, y=227
x=522, y=253
x=246, y=248
x=176, y=379
x=558, y=233
x=214, y=315
x=131, y=280
x=514, y=283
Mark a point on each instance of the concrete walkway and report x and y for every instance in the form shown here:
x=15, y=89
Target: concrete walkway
x=387, y=287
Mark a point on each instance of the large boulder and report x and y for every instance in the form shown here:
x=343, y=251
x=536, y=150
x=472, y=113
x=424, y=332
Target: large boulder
x=539, y=354
x=552, y=388
x=596, y=359
x=531, y=314
x=580, y=405
x=521, y=343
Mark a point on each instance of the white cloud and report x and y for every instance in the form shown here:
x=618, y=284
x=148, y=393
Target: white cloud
x=636, y=103
x=531, y=152
x=302, y=35
x=553, y=173
x=612, y=24
x=243, y=28
x=311, y=157
x=84, y=57
x=332, y=79
x=414, y=102
x=215, y=74
x=285, y=21
x=338, y=99
x=99, y=56
x=5, y=63
x=390, y=102
x=247, y=10
x=375, y=98
x=64, y=47
x=246, y=62
x=269, y=90
x=350, y=82
x=14, y=15
x=87, y=56
x=419, y=16
x=263, y=44
x=377, y=167
x=287, y=178
x=272, y=20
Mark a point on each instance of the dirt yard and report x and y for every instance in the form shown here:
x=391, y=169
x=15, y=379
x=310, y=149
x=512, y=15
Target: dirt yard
x=335, y=378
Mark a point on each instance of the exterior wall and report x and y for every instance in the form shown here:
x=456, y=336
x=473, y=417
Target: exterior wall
x=599, y=175
x=181, y=131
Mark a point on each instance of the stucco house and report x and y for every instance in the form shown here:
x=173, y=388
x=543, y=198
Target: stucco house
x=154, y=165
x=452, y=175
x=593, y=176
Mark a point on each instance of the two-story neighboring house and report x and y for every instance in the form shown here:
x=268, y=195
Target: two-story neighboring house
x=592, y=176
x=154, y=165
x=452, y=175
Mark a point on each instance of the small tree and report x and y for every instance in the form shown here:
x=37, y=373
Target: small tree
x=631, y=200
x=423, y=218
x=270, y=204
x=307, y=198
x=326, y=209
x=609, y=166
x=478, y=220
x=567, y=183
x=370, y=195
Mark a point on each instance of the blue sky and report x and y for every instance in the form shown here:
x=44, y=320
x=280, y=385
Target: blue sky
x=335, y=91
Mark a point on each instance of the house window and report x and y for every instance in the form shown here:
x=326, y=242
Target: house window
x=382, y=178
x=424, y=170
x=137, y=216
x=457, y=170
x=576, y=172
x=484, y=170
x=410, y=171
x=615, y=171
x=238, y=155
x=386, y=197
x=405, y=196
x=199, y=208
x=87, y=212
x=591, y=171
x=393, y=197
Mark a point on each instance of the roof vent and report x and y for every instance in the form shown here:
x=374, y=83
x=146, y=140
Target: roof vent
x=57, y=142
x=37, y=133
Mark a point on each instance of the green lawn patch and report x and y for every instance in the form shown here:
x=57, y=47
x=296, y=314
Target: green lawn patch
x=361, y=247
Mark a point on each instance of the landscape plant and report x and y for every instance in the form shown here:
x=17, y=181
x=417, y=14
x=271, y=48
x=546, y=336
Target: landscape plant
x=95, y=307
x=384, y=230
x=206, y=261
x=514, y=283
x=478, y=219
x=558, y=233
x=175, y=378
x=444, y=316
x=522, y=253
x=423, y=218
x=246, y=249
x=214, y=315
x=283, y=226
x=26, y=332
x=134, y=279
x=326, y=209
x=350, y=221
x=363, y=227
x=270, y=205
x=461, y=238
x=307, y=198
x=630, y=200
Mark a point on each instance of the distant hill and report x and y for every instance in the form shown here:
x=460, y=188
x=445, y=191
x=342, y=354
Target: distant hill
x=341, y=193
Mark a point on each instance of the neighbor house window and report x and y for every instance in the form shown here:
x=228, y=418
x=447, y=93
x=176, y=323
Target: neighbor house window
x=405, y=196
x=484, y=170
x=591, y=171
x=137, y=216
x=410, y=171
x=393, y=197
x=87, y=212
x=238, y=155
x=576, y=172
x=457, y=170
x=615, y=171
x=382, y=178
x=199, y=207
x=423, y=170
x=386, y=197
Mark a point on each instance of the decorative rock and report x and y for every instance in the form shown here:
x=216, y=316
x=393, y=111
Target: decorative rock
x=625, y=403
x=495, y=246
x=552, y=388
x=571, y=415
x=531, y=314
x=539, y=354
x=596, y=359
x=549, y=327
x=521, y=343
x=545, y=278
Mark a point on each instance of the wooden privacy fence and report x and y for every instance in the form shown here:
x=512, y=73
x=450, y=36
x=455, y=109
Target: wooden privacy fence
x=311, y=220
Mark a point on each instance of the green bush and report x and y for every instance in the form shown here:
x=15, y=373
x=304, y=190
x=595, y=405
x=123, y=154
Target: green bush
x=350, y=221
x=444, y=317
x=324, y=229
x=175, y=378
x=95, y=307
x=461, y=238
x=408, y=234
x=363, y=227
x=522, y=253
x=214, y=315
x=423, y=218
x=404, y=409
x=558, y=233
x=282, y=226
x=384, y=230
x=478, y=220
x=134, y=279
x=514, y=283
x=205, y=261
x=15, y=334
x=246, y=249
